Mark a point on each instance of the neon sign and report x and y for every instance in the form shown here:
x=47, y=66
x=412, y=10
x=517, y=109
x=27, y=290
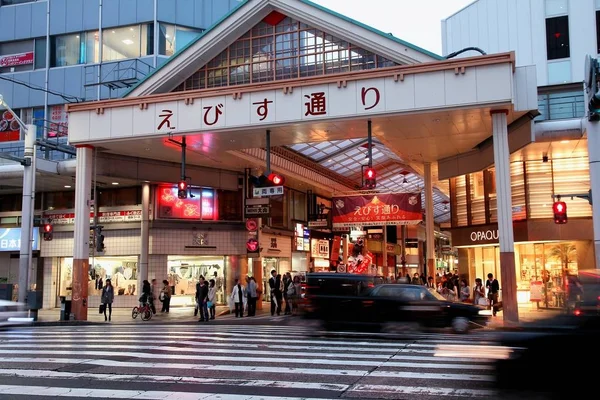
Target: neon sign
x=200, y=205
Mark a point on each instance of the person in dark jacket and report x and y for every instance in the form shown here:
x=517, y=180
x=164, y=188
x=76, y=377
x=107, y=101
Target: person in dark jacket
x=107, y=298
x=202, y=299
x=147, y=295
x=276, y=295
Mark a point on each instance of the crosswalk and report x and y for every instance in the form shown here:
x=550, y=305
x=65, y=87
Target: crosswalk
x=235, y=362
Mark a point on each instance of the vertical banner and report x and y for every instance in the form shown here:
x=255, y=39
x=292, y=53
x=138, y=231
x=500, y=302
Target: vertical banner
x=377, y=209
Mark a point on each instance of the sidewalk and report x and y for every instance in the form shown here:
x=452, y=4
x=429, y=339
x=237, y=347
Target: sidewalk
x=123, y=316
x=526, y=316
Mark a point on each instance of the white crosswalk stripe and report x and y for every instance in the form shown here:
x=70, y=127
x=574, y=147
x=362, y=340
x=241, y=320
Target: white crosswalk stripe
x=233, y=362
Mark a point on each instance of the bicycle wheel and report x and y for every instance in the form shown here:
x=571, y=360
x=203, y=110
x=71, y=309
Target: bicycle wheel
x=146, y=314
x=135, y=312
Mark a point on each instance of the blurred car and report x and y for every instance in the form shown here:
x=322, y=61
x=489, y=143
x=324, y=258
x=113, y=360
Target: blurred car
x=13, y=313
x=566, y=341
x=361, y=299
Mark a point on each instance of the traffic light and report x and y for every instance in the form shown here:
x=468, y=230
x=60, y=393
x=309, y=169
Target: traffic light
x=182, y=190
x=48, y=231
x=370, y=178
x=99, y=240
x=560, y=212
x=276, y=180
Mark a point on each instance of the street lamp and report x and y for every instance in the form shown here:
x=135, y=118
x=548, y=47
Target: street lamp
x=25, y=256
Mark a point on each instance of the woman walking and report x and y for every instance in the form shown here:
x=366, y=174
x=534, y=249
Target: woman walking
x=165, y=296
x=212, y=294
x=107, y=298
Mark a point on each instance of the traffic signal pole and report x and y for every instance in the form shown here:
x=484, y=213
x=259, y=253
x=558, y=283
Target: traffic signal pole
x=25, y=254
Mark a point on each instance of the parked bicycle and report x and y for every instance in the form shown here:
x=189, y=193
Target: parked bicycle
x=144, y=311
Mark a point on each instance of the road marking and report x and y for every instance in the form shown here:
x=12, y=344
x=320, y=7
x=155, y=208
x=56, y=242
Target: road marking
x=36, y=373
x=424, y=391
x=436, y=375
x=204, y=367
x=128, y=394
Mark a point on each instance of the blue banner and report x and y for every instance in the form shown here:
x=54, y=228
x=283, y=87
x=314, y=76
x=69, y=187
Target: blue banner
x=10, y=239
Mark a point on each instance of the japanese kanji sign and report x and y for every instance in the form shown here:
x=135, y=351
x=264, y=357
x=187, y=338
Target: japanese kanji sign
x=10, y=239
x=379, y=209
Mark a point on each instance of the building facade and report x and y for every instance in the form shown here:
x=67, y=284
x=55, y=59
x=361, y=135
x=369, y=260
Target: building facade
x=555, y=36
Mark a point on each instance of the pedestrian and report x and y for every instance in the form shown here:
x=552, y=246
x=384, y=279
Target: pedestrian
x=493, y=288
x=107, y=298
x=165, y=296
x=287, y=283
x=430, y=283
x=237, y=298
x=202, y=299
x=212, y=295
x=479, y=293
x=465, y=291
x=252, y=295
x=276, y=296
x=416, y=280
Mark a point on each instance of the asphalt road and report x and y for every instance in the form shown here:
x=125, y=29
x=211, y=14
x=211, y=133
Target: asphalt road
x=237, y=361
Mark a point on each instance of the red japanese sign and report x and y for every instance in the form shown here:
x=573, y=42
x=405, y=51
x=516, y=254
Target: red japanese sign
x=378, y=209
x=14, y=60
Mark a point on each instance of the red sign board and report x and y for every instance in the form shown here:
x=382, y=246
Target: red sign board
x=251, y=225
x=377, y=209
x=103, y=217
x=14, y=60
x=9, y=127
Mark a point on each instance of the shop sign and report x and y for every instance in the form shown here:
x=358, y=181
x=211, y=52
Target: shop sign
x=535, y=291
x=479, y=236
x=10, y=239
x=320, y=223
x=446, y=249
x=103, y=217
x=14, y=60
x=377, y=209
x=257, y=211
x=201, y=239
x=319, y=248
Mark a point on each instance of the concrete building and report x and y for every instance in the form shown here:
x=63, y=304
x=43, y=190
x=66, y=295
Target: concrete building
x=555, y=36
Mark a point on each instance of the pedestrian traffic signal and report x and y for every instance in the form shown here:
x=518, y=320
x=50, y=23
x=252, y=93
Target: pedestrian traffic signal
x=276, y=180
x=48, y=232
x=370, y=178
x=560, y=212
x=182, y=190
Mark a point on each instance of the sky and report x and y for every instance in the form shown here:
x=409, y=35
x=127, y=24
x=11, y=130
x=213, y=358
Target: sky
x=415, y=21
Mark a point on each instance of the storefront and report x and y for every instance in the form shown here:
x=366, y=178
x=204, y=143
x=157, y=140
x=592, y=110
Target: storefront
x=545, y=255
x=276, y=255
x=301, y=249
x=319, y=253
x=184, y=272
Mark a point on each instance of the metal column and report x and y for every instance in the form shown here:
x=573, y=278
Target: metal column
x=81, y=244
x=144, y=235
x=429, y=222
x=27, y=211
x=505, y=225
x=593, y=139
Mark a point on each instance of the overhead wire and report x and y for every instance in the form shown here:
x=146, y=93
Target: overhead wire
x=66, y=97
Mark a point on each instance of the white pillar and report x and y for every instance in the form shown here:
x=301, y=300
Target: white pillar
x=81, y=243
x=593, y=139
x=27, y=210
x=505, y=225
x=429, y=221
x=145, y=236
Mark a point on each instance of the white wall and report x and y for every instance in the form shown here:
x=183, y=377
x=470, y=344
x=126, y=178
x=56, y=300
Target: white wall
x=519, y=25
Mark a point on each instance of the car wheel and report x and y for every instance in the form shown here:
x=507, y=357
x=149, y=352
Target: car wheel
x=460, y=324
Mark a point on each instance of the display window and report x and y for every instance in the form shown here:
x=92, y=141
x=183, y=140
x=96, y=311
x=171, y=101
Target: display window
x=184, y=272
x=122, y=271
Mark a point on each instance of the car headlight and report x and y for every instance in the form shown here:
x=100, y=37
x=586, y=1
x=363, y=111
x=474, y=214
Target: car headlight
x=484, y=312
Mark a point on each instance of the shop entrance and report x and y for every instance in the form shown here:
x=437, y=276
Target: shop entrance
x=183, y=273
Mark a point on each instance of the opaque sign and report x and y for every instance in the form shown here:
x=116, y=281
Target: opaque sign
x=479, y=236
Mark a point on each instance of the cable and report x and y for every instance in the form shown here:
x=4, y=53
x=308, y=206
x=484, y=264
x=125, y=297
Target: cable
x=67, y=98
x=452, y=55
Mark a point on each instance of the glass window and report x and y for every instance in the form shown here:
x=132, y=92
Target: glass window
x=127, y=42
x=229, y=205
x=461, y=201
x=557, y=37
x=12, y=2
x=477, y=198
x=59, y=200
x=556, y=7
x=174, y=38
x=559, y=72
x=539, y=189
x=571, y=175
x=65, y=50
x=40, y=53
x=120, y=197
x=16, y=56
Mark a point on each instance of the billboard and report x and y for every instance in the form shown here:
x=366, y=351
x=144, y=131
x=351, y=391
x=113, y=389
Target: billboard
x=377, y=209
x=10, y=239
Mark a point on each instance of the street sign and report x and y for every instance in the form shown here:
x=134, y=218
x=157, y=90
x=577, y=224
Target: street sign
x=267, y=191
x=252, y=246
x=251, y=225
x=257, y=211
x=258, y=202
x=320, y=223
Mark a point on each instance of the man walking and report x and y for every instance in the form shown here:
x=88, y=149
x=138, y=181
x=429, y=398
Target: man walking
x=252, y=297
x=493, y=288
x=202, y=299
x=276, y=295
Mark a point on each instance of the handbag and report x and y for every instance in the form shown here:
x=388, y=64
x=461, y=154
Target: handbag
x=101, y=308
x=209, y=304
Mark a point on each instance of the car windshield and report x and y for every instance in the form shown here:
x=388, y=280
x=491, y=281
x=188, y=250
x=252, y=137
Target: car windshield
x=436, y=294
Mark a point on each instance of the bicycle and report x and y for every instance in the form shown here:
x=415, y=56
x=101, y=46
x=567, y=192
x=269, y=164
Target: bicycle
x=144, y=311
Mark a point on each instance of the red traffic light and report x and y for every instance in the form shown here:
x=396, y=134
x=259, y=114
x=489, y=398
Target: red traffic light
x=276, y=180
x=182, y=185
x=560, y=212
x=370, y=173
x=47, y=228
x=252, y=245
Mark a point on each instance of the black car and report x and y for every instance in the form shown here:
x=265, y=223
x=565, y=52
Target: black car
x=352, y=299
x=415, y=303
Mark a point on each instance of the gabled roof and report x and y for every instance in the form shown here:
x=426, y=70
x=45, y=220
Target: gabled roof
x=250, y=12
